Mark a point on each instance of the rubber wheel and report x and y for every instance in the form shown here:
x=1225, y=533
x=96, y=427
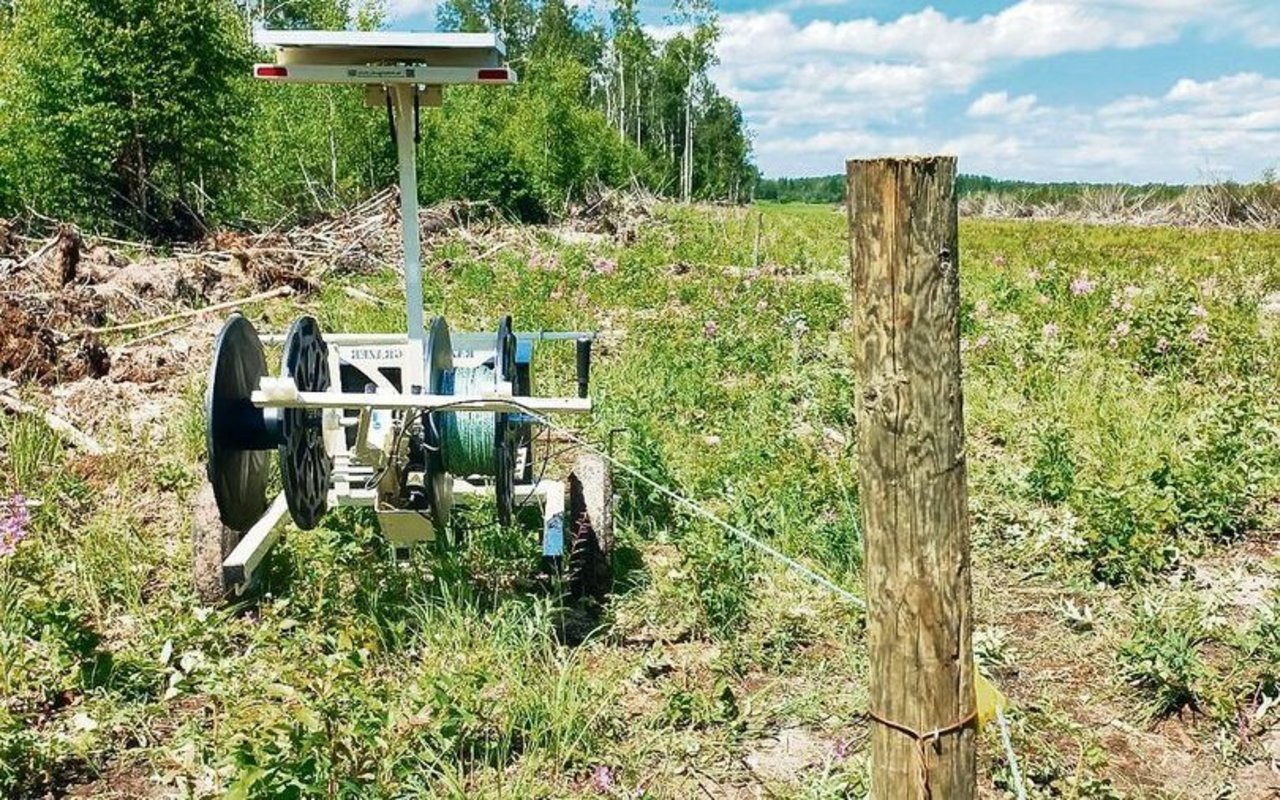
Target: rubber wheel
x=211, y=543
x=589, y=528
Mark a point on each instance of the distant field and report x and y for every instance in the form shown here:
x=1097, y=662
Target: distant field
x=1123, y=429
x=1226, y=204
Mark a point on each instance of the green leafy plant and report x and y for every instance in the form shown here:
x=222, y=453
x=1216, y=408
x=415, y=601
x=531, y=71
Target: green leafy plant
x=1162, y=657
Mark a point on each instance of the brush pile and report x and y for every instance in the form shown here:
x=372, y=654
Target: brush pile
x=61, y=288
x=1219, y=205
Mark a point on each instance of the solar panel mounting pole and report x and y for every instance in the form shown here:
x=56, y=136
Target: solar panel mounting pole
x=406, y=153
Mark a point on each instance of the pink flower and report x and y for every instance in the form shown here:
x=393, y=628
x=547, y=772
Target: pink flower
x=1200, y=334
x=1132, y=291
x=710, y=329
x=1122, y=329
x=605, y=266
x=981, y=310
x=1050, y=330
x=841, y=749
x=1198, y=311
x=1162, y=345
x=602, y=779
x=1113, y=343
x=1082, y=286
x=14, y=518
x=981, y=342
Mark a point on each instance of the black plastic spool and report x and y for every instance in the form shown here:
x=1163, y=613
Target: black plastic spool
x=506, y=434
x=238, y=435
x=306, y=467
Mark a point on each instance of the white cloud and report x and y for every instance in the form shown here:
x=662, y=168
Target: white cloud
x=999, y=104
x=815, y=92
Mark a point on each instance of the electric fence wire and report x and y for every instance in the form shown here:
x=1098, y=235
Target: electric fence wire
x=1020, y=790
x=701, y=511
x=791, y=563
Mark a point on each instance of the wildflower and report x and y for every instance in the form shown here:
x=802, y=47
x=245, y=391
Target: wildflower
x=14, y=519
x=1200, y=334
x=1162, y=345
x=602, y=779
x=981, y=342
x=710, y=329
x=1082, y=286
x=1113, y=343
x=981, y=310
x=1033, y=275
x=605, y=266
x=544, y=260
x=1199, y=312
x=1122, y=329
x=840, y=750
x=1132, y=291
x=1050, y=330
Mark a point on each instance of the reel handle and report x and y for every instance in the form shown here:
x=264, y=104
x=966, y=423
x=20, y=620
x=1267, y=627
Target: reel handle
x=584, y=364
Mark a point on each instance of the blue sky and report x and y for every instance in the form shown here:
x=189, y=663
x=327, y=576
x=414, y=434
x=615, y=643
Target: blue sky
x=1135, y=90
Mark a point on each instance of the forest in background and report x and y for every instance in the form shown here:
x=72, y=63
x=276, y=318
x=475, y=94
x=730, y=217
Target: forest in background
x=140, y=116
x=830, y=189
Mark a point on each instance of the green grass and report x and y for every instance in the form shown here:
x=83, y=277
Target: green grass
x=1100, y=471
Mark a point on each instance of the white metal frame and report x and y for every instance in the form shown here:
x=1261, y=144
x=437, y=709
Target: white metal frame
x=403, y=69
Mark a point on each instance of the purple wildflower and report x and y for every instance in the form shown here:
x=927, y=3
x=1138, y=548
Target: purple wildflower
x=1082, y=286
x=1200, y=334
x=981, y=342
x=840, y=750
x=1199, y=312
x=605, y=266
x=1050, y=330
x=1162, y=345
x=710, y=329
x=1122, y=329
x=541, y=260
x=14, y=519
x=602, y=779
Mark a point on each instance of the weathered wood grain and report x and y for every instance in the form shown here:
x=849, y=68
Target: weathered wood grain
x=911, y=473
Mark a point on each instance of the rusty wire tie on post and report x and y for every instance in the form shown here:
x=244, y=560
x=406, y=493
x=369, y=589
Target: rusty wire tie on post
x=920, y=738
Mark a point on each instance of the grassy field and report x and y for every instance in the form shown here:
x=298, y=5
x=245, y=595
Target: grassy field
x=1124, y=437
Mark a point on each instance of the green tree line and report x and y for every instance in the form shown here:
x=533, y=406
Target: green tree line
x=830, y=189
x=140, y=116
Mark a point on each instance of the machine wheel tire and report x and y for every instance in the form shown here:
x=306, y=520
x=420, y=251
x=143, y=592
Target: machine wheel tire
x=211, y=543
x=589, y=527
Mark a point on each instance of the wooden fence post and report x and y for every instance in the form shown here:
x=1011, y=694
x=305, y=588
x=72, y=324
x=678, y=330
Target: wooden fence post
x=911, y=476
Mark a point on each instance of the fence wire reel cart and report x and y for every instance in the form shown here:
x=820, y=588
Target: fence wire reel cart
x=407, y=424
